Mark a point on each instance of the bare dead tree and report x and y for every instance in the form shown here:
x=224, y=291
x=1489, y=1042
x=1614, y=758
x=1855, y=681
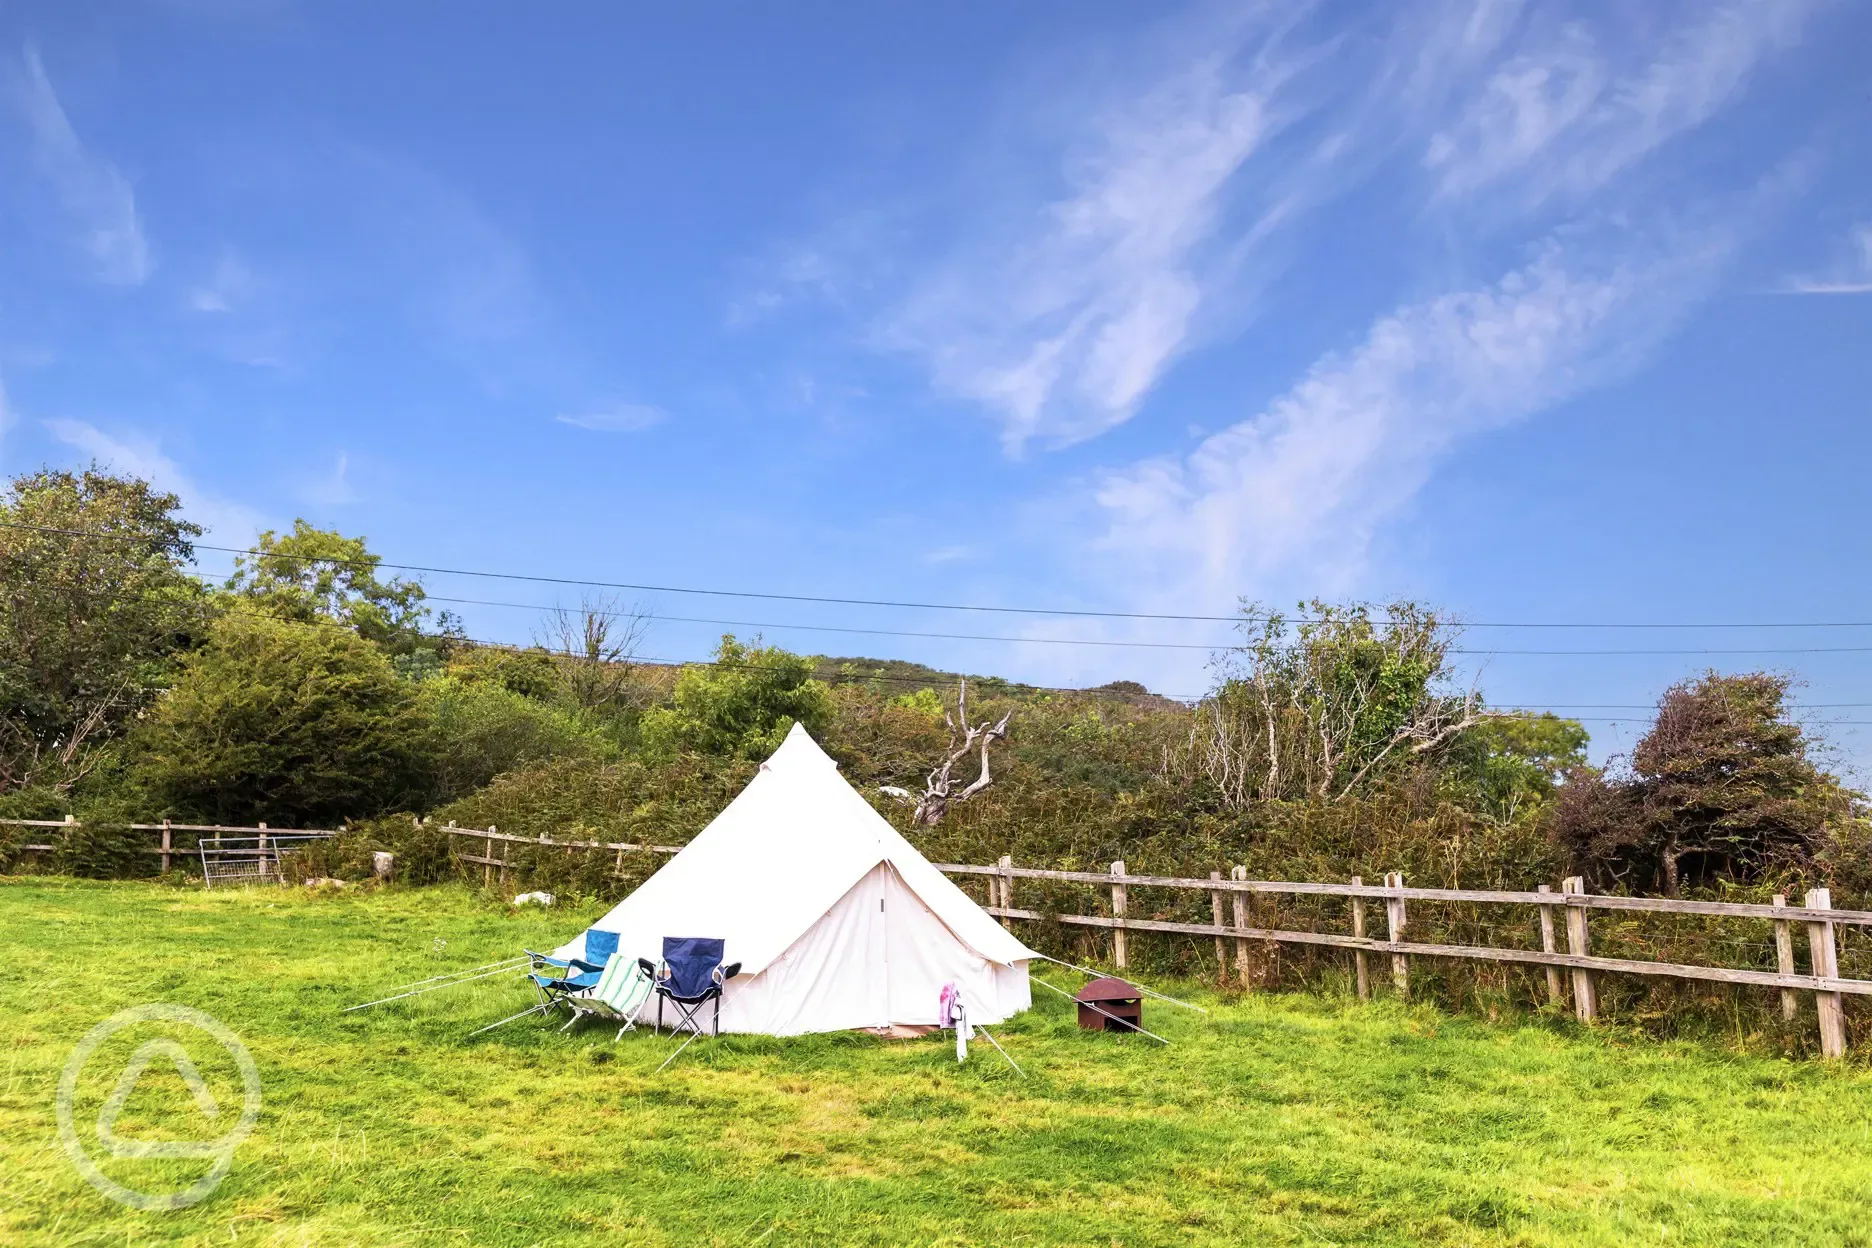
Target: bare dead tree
x=939, y=792
x=598, y=646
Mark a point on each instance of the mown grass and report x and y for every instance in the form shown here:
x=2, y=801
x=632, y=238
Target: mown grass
x=1273, y=1120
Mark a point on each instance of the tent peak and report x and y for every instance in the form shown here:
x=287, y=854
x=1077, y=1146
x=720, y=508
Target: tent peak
x=798, y=746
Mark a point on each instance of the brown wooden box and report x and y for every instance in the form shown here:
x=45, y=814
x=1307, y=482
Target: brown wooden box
x=1110, y=1004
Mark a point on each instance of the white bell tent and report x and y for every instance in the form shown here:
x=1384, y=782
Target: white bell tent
x=837, y=921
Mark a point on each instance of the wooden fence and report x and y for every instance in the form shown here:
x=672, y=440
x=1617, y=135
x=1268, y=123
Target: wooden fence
x=165, y=835
x=1570, y=910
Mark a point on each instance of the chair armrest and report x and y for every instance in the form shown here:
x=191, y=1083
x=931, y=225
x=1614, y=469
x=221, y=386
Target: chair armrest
x=725, y=973
x=647, y=967
x=582, y=965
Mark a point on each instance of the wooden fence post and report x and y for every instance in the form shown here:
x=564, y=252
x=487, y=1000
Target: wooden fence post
x=1585, y=992
x=1007, y=888
x=1118, y=913
x=1823, y=961
x=1240, y=912
x=1549, y=944
x=1394, y=921
x=1215, y=910
x=1784, y=959
x=1360, y=964
x=506, y=876
x=167, y=845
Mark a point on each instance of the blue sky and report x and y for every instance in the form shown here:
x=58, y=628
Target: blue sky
x=1547, y=314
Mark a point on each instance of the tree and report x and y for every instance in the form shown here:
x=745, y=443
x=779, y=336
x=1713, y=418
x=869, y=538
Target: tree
x=740, y=706
x=1312, y=708
x=1721, y=786
x=597, y=645
x=312, y=575
x=293, y=723
x=95, y=604
x=1506, y=765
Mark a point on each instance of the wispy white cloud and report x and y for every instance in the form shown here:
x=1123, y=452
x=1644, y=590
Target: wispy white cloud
x=333, y=488
x=1851, y=276
x=228, y=521
x=91, y=190
x=1294, y=496
x=229, y=285
x=1303, y=486
x=618, y=418
x=1569, y=111
x=1177, y=197
x=1065, y=329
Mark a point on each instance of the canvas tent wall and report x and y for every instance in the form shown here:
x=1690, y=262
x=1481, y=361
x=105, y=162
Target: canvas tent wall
x=837, y=921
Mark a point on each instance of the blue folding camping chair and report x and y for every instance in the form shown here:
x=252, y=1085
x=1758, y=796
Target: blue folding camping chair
x=689, y=976
x=575, y=976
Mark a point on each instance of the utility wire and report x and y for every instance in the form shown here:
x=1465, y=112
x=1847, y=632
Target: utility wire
x=1081, y=641
x=1511, y=712
x=935, y=606
x=936, y=678
x=1508, y=712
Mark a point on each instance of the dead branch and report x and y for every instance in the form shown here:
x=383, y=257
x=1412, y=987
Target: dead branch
x=938, y=788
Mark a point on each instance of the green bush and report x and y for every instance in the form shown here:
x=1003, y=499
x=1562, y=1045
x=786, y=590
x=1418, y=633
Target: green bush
x=101, y=848
x=741, y=706
x=479, y=729
x=295, y=724
x=424, y=852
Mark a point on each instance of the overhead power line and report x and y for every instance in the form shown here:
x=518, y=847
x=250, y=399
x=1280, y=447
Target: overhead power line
x=935, y=677
x=1084, y=641
x=831, y=600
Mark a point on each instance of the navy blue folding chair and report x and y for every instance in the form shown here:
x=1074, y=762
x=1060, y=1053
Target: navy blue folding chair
x=689, y=976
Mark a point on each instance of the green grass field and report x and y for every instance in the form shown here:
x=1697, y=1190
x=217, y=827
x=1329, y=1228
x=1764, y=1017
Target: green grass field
x=1273, y=1120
